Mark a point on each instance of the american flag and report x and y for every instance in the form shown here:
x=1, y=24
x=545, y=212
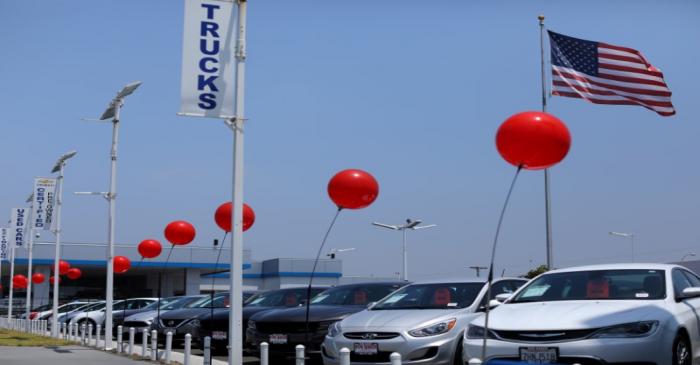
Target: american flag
x=605, y=74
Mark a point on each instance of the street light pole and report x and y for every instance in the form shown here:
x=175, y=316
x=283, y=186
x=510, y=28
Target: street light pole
x=410, y=224
x=625, y=235
x=60, y=164
x=112, y=112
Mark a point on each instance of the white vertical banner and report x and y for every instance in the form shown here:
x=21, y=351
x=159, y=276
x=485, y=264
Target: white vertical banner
x=4, y=243
x=18, y=225
x=42, y=205
x=208, y=55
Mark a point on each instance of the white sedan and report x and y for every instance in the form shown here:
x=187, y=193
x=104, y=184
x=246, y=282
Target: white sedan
x=603, y=314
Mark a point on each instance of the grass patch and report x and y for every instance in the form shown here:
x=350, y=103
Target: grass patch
x=14, y=338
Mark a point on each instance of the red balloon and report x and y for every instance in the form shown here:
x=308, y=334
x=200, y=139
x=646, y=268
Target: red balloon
x=353, y=189
x=223, y=216
x=150, y=248
x=63, y=267
x=38, y=278
x=20, y=281
x=533, y=140
x=51, y=279
x=74, y=273
x=121, y=264
x=180, y=232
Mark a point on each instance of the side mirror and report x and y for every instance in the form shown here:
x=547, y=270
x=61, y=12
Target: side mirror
x=492, y=304
x=371, y=304
x=503, y=297
x=691, y=292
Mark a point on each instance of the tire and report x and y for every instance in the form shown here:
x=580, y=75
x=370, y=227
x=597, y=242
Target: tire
x=87, y=322
x=458, y=352
x=682, y=352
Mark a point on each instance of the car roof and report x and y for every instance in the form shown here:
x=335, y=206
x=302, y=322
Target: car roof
x=624, y=266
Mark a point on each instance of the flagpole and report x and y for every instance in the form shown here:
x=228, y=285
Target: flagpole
x=547, y=195
x=12, y=284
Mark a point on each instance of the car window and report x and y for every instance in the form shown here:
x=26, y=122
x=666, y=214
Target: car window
x=431, y=296
x=692, y=278
x=680, y=282
x=354, y=295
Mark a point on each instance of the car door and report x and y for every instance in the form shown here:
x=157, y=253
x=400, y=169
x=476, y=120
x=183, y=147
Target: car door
x=694, y=281
x=687, y=311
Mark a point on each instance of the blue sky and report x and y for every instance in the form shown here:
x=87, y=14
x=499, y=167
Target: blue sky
x=411, y=91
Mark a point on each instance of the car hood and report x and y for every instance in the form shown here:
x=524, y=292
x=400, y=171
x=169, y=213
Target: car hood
x=398, y=320
x=145, y=316
x=317, y=313
x=584, y=314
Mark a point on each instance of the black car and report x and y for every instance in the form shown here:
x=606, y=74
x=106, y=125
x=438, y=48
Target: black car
x=186, y=320
x=119, y=318
x=216, y=324
x=283, y=329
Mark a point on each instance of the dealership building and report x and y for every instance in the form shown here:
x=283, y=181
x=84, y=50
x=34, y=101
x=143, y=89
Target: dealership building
x=190, y=270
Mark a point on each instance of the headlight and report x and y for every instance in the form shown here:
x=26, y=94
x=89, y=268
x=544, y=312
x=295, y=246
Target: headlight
x=251, y=325
x=637, y=329
x=334, y=329
x=434, y=329
x=477, y=332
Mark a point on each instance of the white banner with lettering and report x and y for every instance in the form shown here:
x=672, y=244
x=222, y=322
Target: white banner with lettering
x=208, y=55
x=18, y=224
x=4, y=243
x=42, y=205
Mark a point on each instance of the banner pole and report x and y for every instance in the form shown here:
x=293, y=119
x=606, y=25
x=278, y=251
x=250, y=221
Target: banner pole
x=547, y=194
x=30, y=247
x=57, y=248
x=235, y=333
x=12, y=285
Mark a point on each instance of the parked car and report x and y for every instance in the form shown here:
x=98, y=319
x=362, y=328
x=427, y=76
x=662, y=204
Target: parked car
x=216, y=324
x=69, y=316
x=423, y=322
x=283, y=329
x=97, y=316
x=603, y=314
x=119, y=317
x=186, y=320
x=45, y=311
x=144, y=319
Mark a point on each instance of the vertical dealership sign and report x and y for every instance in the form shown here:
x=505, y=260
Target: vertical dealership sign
x=207, y=88
x=4, y=243
x=18, y=224
x=42, y=205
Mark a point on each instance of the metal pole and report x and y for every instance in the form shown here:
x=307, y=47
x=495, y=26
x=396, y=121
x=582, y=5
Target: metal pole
x=235, y=353
x=547, y=194
x=405, y=260
x=111, y=196
x=12, y=285
x=30, y=256
x=57, y=255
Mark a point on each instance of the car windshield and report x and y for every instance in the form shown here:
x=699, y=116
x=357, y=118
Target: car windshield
x=595, y=285
x=179, y=303
x=354, y=295
x=164, y=302
x=432, y=296
x=93, y=307
x=219, y=301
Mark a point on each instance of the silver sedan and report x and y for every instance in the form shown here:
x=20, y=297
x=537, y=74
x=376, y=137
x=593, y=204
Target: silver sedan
x=423, y=322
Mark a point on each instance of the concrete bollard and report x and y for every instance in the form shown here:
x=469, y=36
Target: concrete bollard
x=120, y=343
x=264, y=353
x=63, y=330
x=299, y=355
x=144, y=341
x=154, y=345
x=98, y=332
x=395, y=358
x=168, y=346
x=82, y=333
x=207, y=351
x=132, y=334
x=344, y=356
x=474, y=361
x=89, y=334
x=188, y=348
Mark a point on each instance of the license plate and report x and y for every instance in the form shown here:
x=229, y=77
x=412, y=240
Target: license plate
x=539, y=355
x=218, y=335
x=278, y=339
x=362, y=348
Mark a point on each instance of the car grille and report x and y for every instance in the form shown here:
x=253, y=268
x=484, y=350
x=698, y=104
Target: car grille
x=370, y=335
x=544, y=336
x=171, y=322
x=284, y=327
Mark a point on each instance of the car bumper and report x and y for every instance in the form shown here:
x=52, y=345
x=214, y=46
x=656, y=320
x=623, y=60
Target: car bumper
x=655, y=349
x=413, y=350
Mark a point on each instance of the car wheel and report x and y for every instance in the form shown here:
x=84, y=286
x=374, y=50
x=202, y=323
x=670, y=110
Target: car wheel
x=458, y=353
x=87, y=322
x=682, y=354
